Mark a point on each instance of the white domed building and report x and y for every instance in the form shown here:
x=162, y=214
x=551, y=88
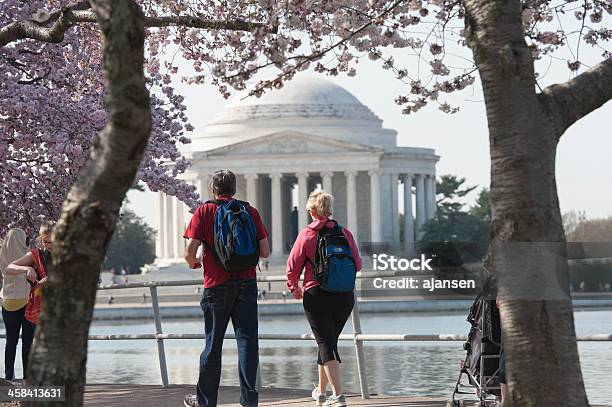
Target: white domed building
x=311, y=133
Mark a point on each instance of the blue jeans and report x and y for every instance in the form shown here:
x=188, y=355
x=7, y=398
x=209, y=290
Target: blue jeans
x=235, y=300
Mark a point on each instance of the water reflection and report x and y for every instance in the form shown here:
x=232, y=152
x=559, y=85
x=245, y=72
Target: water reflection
x=426, y=369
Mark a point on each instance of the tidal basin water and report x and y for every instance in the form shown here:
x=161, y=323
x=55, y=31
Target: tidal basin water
x=406, y=368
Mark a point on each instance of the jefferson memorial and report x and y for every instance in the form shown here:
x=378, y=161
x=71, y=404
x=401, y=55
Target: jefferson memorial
x=310, y=134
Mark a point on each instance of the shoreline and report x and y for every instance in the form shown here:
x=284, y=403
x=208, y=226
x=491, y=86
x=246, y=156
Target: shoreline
x=292, y=307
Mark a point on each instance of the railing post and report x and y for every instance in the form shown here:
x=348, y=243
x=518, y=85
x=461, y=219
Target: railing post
x=160, y=342
x=258, y=383
x=361, y=365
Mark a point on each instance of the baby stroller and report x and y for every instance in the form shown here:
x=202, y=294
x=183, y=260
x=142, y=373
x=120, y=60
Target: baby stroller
x=481, y=364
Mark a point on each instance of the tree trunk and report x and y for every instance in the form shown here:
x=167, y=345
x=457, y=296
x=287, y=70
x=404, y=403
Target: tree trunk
x=92, y=207
x=542, y=361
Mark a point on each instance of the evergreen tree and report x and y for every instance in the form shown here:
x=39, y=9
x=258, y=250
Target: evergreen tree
x=132, y=245
x=456, y=235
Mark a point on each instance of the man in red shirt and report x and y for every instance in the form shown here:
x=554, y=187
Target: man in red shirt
x=227, y=295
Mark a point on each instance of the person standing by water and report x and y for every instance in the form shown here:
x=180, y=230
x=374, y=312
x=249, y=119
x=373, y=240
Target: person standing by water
x=327, y=312
x=230, y=289
x=34, y=266
x=15, y=291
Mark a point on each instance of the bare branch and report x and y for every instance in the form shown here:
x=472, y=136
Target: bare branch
x=87, y=16
x=29, y=29
x=569, y=101
x=34, y=80
x=79, y=13
x=197, y=22
x=81, y=5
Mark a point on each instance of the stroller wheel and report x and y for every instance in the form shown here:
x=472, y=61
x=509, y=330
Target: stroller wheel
x=456, y=403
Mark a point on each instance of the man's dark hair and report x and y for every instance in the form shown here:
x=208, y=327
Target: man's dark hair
x=223, y=183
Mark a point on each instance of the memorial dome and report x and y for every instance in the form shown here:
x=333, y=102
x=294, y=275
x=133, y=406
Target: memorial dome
x=302, y=97
x=305, y=104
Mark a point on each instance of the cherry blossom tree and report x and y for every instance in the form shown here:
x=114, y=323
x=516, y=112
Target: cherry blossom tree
x=52, y=92
x=52, y=97
x=51, y=106
x=526, y=124
x=91, y=207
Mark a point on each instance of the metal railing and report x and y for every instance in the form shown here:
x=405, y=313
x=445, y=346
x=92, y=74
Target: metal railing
x=357, y=337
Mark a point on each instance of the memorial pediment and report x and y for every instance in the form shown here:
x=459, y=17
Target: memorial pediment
x=289, y=143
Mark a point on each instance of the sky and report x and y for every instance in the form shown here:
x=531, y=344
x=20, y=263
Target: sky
x=584, y=170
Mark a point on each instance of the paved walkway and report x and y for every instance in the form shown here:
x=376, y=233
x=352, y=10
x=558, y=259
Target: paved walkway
x=157, y=396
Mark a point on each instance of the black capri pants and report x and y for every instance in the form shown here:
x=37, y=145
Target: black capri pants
x=327, y=313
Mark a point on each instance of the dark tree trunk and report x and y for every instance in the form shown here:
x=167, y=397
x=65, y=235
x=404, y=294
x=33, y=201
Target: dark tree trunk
x=92, y=206
x=542, y=361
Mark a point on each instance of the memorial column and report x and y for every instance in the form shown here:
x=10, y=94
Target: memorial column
x=351, y=203
x=408, y=219
x=420, y=204
x=375, y=225
x=251, y=189
x=277, y=220
x=302, y=199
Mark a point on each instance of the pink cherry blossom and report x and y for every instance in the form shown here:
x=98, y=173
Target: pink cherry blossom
x=51, y=97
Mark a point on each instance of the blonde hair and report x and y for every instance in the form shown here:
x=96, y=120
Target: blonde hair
x=321, y=202
x=46, y=227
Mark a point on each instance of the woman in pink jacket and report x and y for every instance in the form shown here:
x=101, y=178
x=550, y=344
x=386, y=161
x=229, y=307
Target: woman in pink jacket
x=326, y=312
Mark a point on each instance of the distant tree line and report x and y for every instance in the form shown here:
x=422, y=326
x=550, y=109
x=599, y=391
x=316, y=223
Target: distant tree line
x=594, y=237
x=580, y=229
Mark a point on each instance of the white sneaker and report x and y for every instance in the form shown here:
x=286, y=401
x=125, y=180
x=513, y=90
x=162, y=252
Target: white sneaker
x=191, y=400
x=335, y=401
x=317, y=396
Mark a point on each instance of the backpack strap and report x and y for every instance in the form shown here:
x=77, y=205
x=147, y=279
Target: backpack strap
x=331, y=220
x=216, y=202
x=327, y=230
x=321, y=233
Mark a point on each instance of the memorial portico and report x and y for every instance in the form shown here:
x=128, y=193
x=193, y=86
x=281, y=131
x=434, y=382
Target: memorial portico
x=311, y=134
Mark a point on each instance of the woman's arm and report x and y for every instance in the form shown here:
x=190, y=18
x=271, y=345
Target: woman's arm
x=354, y=248
x=22, y=265
x=296, y=260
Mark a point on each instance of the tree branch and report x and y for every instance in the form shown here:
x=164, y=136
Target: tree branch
x=70, y=15
x=197, y=22
x=20, y=30
x=570, y=101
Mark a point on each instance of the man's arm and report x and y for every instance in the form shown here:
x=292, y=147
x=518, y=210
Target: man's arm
x=191, y=252
x=264, y=248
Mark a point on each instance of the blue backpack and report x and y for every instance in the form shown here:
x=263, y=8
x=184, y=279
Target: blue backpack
x=235, y=236
x=334, y=266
